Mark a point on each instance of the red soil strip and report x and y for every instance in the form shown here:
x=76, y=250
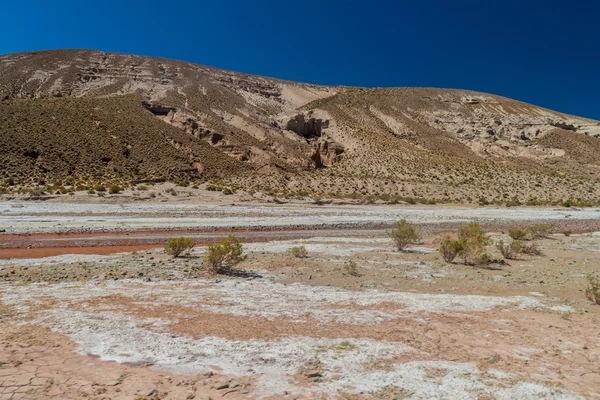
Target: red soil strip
x=37, y=252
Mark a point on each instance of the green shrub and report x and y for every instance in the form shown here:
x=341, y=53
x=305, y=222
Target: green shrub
x=450, y=247
x=517, y=234
x=539, y=231
x=152, y=194
x=472, y=240
x=221, y=257
x=351, y=268
x=177, y=246
x=142, y=187
x=114, y=189
x=567, y=233
x=404, y=233
x=593, y=290
x=299, y=252
x=100, y=188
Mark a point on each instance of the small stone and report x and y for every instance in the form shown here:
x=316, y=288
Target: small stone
x=222, y=385
x=234, y=384
x=244, y=391
x=113, y=383
x=317, y=379
x=190, y=396
x=313, y=373
x=152, y=392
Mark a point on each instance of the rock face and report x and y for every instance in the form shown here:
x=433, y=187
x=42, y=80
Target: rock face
x=308, y=128
x=327, y=152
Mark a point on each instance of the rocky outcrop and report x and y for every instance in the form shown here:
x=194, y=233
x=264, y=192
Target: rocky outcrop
x=308, y=128
x=327, y=152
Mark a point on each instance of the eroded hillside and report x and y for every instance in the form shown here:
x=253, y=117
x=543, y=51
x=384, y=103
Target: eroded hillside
x=87, y=116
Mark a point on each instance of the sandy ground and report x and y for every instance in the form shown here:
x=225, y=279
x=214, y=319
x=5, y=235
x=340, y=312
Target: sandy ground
x=408, y=325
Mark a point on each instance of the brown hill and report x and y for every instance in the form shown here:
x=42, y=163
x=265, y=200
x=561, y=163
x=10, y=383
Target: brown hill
x=91, y=116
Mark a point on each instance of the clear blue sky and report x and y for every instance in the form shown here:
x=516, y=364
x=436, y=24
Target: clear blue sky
x=542, y=52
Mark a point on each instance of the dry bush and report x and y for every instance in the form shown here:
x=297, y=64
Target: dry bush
x=531, y=249
x=177, y=246
x=567, y=233
x=472, y=239
x=404, y=233
x=511, y=250
x=593, y=290
x=517, y=234
x=221, y=257
x=450, y=247
x=299, y=252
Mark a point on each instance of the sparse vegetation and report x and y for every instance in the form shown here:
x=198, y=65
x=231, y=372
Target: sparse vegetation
x=178, y=246
x=472, y=240
x=531, y=249
x=510, y=250
x=517, y=234
x=539, y=231
x=450, y=247
x=115, y=189
x=593, y=290
x=221, y=257
x=351, y=268
x=404, y=234
x=299, y=252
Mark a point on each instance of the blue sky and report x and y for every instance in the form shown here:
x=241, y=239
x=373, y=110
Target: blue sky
x=542, y=52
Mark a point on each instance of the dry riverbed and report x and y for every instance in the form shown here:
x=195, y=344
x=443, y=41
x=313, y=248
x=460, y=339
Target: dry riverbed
x=406, y=325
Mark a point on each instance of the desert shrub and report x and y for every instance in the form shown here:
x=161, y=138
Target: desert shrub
x=171, y=191
x=567, y=233
x=100, y=188
x=404, y=233
x=114, y=189
x=450, y=248
x=511, y=250
x=227, y=191
x=531, y=249
x=517, y=234
x=351, y=268
x=142, y=187
x=593, y=290
x=539, y=231
x=299, y=252
x=473, y=239
x=91, y=191
x=221, y=257
x=152, y=194
x=177, y=246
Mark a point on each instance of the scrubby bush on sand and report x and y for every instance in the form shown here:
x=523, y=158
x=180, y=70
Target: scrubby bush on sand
x=531, y=249
x=472, y=240
x=539, y=231
x=299, y=252
x=178, y=246
x=351, y=268
x=221, y=257
x=449, y=248
x=404, y=234
x=517, y=234
x=593, y=290
x=509, y=250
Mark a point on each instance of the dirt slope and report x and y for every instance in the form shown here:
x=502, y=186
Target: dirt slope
x=90, y=116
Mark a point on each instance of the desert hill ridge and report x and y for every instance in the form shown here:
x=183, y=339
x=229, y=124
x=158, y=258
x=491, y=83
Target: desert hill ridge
x=90, y=116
